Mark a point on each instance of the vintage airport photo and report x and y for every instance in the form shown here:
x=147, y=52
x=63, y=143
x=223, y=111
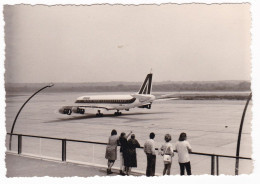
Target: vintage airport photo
x=142, y=90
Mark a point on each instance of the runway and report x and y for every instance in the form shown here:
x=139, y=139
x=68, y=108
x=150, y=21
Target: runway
x=211, y=125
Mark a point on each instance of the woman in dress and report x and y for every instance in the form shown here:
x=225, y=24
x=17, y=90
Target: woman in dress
x=130, y=157
x=167, y=152
x=111, y=150
x=123, y=150
x=183, y=148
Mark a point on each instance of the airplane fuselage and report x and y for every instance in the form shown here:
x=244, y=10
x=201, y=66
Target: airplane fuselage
x=142, y=99
x=115, y=102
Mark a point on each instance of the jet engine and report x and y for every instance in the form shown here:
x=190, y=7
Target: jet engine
x=78, y=110
x=65, y=110
x=148, y=106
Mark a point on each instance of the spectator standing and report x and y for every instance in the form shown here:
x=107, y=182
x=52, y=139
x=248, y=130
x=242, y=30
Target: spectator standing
x=183, y=148
x=130, y=158
x=123, y=151
x=149, y=149
x=111, y=150
x=166, y=151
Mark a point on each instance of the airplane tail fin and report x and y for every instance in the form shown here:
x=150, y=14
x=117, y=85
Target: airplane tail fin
x=146, y=88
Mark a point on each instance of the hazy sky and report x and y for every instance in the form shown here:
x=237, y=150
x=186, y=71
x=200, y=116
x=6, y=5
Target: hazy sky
x=122, y=43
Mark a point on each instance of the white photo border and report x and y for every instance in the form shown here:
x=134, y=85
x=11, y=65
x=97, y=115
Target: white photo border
x=255, y=45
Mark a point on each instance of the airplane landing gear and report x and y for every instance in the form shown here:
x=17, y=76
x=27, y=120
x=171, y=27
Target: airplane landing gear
x=117, y=113
x=99, y=114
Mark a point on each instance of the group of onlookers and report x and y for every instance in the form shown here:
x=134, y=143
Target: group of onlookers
x=128, y=153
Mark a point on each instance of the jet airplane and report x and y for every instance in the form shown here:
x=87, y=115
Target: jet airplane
x=142, y=99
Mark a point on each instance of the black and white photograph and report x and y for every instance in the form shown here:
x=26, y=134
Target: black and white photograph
x=126, y=90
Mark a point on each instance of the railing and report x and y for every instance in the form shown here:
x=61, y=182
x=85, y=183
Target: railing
x=214, y=157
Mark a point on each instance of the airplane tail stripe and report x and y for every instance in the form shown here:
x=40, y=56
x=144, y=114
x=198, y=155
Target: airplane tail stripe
x=147, y=85
x=150, y=86
x=144, y=84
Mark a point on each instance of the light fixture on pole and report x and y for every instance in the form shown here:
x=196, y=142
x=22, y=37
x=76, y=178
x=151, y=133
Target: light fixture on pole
x=239, y=134
x=10, y=140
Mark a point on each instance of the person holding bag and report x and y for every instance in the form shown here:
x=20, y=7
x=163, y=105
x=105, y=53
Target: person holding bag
x=167, y=152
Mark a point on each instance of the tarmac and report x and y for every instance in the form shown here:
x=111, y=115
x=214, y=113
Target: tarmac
x=211, y=125
x=26, y=166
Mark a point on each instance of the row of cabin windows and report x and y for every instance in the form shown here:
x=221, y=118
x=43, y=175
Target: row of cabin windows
x=106, y=101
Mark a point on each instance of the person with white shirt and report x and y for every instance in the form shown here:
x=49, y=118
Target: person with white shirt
x=149, y=149
x=183, y=148
x=167, y=152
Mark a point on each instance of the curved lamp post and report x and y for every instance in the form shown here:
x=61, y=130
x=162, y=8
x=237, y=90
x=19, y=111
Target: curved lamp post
x=239, y=134
x=10, y=141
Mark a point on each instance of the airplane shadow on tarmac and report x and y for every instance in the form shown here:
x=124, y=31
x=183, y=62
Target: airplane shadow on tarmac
x=122, y=116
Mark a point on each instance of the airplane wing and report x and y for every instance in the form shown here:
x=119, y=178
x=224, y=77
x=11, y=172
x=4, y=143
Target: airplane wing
x=164, y=99
x=160, y=99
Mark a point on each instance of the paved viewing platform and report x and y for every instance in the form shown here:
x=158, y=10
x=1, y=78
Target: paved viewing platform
x=25, y=166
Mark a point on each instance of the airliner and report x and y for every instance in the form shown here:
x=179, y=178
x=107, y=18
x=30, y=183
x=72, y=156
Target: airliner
x=142, y=99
